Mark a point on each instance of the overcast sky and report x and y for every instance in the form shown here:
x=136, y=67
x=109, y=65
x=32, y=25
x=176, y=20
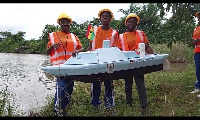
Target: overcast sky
x=32, y=17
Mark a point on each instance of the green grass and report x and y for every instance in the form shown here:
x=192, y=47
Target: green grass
x=179, y=53
x=168, y=93
x=6, y=109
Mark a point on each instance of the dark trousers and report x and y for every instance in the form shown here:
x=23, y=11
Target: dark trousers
x=64, y=88
x=109, y=93
x=141, y=88
x=197, y=66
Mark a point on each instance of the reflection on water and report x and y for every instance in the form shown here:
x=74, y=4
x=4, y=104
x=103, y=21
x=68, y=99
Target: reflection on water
x=21, y=74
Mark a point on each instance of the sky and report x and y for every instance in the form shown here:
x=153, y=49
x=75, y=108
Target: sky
x=32, y=17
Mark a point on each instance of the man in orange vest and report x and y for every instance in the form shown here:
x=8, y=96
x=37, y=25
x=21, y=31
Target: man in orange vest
x=103, y=32
x=196, y=43
x=61, y=46
x=128, y=41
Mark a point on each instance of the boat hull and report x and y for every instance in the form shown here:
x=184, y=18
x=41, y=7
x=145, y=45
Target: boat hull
x=107, y=64
x=116, y=75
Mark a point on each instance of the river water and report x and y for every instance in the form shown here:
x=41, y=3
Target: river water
x=21, y=75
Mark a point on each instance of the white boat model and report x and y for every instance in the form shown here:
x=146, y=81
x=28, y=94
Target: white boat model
x=107, y=63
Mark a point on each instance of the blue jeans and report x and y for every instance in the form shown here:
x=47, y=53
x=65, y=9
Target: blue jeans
x=109, y=93
x=64, y=88
x=197, y=66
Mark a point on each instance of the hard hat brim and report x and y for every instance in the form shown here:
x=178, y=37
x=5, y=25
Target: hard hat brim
x=132, y=16
x=196, y=15
x=104, y=10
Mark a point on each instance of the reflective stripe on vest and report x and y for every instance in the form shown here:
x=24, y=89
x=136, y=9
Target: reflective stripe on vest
x=141, y=36
x=56, y=58
x=141, y=41
x=111, y=41
x=197, y=46
x=58, y=62
x=93, y=41
x=112, y=37
x=74, y=40
x=52, y=41
x=123, y=43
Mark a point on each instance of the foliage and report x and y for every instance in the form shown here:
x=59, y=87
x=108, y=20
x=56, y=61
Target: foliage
x=45, y=33
x=10, y=46
x=167, y=91
x=80, y=31
x=191, y=7
x=6, y=109
x=179, y=27
x=159, y=30
x=150, y=21
x=5, y=35
x=179, y=53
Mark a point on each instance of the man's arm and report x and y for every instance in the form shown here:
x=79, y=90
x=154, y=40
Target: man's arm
x=57, y=46
x=89, y=46
x=195, y=42
x=148, y=48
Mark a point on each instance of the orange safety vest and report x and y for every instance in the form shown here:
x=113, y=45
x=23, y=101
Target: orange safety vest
x=139, y=38
x=197, y=47
x=112, y=37
x=61, y=55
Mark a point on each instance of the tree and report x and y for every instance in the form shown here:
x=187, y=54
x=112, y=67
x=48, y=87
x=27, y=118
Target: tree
x=150, y=21
x=175, y=7
x=80, y=30
x=5, y=34
x=48, y=29
x=180, y=26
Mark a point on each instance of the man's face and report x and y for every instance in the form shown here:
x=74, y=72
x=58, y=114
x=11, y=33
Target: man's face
x=131, y=23
x=65, y=24
x=105, y=17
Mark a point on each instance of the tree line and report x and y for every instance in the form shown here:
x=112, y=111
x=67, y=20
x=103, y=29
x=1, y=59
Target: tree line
x=158, y=28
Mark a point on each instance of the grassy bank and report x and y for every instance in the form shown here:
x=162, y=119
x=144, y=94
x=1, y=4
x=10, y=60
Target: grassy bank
x=168, y=92
x=168, y=95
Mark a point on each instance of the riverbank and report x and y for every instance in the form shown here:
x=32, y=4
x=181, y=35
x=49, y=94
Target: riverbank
x=168, y=95
x=164, y=87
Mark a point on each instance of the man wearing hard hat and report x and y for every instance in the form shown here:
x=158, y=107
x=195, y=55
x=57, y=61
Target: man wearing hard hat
x=128, y=41
x=103, y=32
x=196, y=43
x=61, y=46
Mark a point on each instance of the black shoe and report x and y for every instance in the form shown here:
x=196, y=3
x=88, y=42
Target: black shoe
x=62, y=113
x=111, y=112
x=129, y=104
x=55, y=115
x=97, y=110
x=144, y=111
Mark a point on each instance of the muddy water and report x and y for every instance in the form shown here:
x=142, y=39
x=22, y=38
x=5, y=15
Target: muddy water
x=21, y=75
